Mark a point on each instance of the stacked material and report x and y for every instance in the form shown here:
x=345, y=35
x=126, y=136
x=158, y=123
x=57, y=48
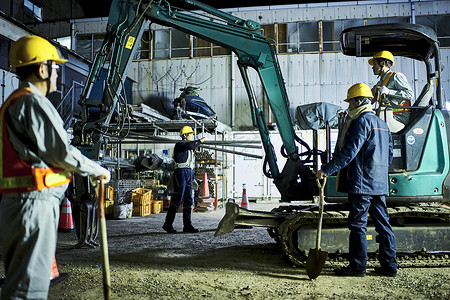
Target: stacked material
x=205, y=205
x=146, y=113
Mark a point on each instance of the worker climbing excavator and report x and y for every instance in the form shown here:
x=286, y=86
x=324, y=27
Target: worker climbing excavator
x=418, y=178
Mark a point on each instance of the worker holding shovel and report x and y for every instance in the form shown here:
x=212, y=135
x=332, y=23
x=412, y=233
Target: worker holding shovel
x=362, y=159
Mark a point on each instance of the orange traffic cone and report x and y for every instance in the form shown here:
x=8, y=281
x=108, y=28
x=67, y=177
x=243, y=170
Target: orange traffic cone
x=55, y=273
x=205, y=189
x=244, y=201
x=55, y=277
x=65, y=219
x=204, y=202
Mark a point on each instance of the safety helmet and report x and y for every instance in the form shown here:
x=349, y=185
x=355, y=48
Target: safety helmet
x=359, y=90
x=186, y=130
x=382, y=54
x=32, y=49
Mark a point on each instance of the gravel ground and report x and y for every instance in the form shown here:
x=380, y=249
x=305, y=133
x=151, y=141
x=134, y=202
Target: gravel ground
x=147, y=263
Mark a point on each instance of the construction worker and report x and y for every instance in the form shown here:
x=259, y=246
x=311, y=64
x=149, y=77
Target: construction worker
x=392, y=89
x=183, y=176
x=36, y=165
x=362, y=160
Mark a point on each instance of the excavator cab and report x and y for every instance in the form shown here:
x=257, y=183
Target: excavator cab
x=401, y=39
x=420, y=165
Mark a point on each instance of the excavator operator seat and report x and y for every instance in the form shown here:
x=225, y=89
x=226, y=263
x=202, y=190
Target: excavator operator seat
x=422, y=101
x=426, y=94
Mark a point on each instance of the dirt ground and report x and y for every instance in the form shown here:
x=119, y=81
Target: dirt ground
x=147, y=263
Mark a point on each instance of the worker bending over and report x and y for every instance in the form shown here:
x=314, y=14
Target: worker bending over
x=362, y=160
x=36, y=165
x=183, y=176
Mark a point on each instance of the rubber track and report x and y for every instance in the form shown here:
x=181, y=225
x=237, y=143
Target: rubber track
x=286, y=234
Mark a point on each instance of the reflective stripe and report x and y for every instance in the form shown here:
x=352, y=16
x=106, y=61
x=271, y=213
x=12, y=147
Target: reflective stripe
x=17, y=176
x=189, y=163
x=394, y=110
x=401, y=110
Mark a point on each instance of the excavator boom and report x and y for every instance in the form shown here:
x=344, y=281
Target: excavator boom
x=243, y=37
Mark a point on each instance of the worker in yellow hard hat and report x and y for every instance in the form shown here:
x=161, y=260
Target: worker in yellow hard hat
x=37, y=163
x=183, y=177
x=362, y=161
x=392, y=88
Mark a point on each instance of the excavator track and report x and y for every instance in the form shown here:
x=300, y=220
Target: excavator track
x=429, y=218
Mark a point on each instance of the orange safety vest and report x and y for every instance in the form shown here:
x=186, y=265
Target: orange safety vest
x=394, y=110
x=16, y=176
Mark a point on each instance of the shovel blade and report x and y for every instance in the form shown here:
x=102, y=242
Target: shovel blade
x=315, y=262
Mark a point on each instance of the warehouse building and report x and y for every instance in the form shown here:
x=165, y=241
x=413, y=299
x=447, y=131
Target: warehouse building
x=149, y=112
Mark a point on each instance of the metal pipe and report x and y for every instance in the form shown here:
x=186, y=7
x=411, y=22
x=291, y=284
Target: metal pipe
x=173, y=141
x=233, y=90
x=158, y=138
x=233, y=152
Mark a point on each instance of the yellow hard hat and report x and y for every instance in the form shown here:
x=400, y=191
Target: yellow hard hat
x=32, y=49
x=382, y=54
x=359, y=90
x=186, y=130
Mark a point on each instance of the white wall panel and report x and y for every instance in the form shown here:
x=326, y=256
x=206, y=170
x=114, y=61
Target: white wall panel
x=308, y=77
x=295, y=95
x=310, y=69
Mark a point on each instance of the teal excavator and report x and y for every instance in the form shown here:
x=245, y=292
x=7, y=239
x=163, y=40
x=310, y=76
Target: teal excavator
x=418, y=175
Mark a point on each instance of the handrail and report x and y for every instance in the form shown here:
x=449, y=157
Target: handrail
x=66, y=106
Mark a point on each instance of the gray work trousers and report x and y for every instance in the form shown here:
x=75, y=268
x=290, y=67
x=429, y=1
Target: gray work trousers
x=28, y=234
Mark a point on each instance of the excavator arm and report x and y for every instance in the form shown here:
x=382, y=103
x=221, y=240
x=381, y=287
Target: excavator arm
x=125, y=27
x=243, y=37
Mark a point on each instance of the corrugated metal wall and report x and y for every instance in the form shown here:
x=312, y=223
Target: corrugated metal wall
x=309, y=78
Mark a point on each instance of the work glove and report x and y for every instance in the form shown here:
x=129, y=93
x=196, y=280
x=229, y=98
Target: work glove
x=383, y=90
x=106, y=176
x=320, y=174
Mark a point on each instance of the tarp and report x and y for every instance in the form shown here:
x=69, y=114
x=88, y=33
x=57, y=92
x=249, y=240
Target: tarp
x=198, y=105
x=315, y=115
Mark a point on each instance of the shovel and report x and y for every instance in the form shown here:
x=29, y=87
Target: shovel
x=99, y=189
x=316, y=257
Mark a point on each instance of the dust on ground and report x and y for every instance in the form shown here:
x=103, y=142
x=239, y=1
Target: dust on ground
x=147, y=263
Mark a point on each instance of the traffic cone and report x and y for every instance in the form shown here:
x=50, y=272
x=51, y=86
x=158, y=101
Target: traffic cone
x=204, y=202
x=244, y=201
x=65, y=219
x=205, y=189
x=55, y=277
x=55, y=273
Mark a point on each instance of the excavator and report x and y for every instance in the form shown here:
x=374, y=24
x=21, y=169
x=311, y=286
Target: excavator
x=418, y=175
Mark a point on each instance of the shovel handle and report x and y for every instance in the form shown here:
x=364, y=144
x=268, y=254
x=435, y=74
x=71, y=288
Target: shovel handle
x=321, y=201
x=99, y=190
x=320, y=184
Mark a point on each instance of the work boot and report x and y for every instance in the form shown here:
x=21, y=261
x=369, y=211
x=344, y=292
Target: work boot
x=190, y=229
x=385, y=272
x=349, y=271
x=169, y=228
